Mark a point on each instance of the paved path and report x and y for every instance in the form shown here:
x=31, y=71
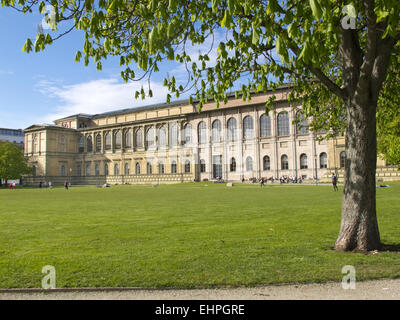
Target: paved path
x=368, y=290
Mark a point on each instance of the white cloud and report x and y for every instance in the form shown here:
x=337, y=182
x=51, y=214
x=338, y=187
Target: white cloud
x=96, y=96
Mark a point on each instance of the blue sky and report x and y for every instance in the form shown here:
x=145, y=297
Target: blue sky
x=41, y=87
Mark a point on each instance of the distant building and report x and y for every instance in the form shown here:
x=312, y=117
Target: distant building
x=13, y=135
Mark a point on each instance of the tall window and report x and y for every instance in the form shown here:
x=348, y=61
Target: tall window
x=34, y=171
x=150, y=137
x=137, y=168
x=323, y=160
x=118, y=139
x=128, y=138
x=283, y=124
x=36, y=144
x=201, y=131
x=149, y=169
x=187, y=166
x=96, y=169
x=265, y=126
x=216, y=131
x=303, y=161
x=248, y=127
x=87, y=170
x=188, y=133
x=302, y=125
x=232, y=129
x=89, y=144
x=107, y=139
x=98, y=142
x=78, y=170
x=202, y=165
x=173, y=166
x=139, y=138
x=249, y=164
x=106, y=169
x=266, y=163
x=81, y=144
x=62, y=146
x=284, y=162
x=62, y=171
x=126, y=169
x=232, y=165
x=161, y=167
x=173, y=134
x=162, y=137
x=116, y=169
x=342, y=159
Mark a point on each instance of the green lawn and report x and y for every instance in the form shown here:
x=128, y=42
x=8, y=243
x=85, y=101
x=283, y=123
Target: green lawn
x=184, y=235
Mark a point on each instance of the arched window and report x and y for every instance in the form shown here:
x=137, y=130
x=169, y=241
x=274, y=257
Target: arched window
x=266, y=163
x=302, y=125
x=323, y=160
x=232, y=165
x=78, y=170
x=150, y=137
x=232, y=129
x=81, y=144
x=187, y=166
x=284, y=162
x=216, y=131
x=265, y=126
x=248, y=127
x=283, y=124
x=303, y=161
x=149, y=168
x=188, y=133
x=202, y=165
x=249, y=164
x=98, y=142
x=173, y=134
x=116, y=169
x=97, y=169
x=137, y=168
x=201, y=131
x=342, y=159
x=89, y=144
x=107, y=139
x=106, y=169
x=139, y=138
x=126, y=169
x=87, y=170
x=162, y=137
x=118, y=140
x=128, y=138
x=173, y=166
x=62, y=171
x=161, y=167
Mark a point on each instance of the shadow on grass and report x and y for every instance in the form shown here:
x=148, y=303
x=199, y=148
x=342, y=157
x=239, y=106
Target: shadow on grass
x=391, y=247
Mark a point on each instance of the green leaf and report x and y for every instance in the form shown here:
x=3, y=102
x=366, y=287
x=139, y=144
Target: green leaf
x=316, y=9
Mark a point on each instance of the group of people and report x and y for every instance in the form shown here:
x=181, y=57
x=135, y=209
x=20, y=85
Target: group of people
x=292, y=179
x=45, y=184
x=11, y=185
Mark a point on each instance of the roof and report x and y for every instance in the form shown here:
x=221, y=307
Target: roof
x=149, y=107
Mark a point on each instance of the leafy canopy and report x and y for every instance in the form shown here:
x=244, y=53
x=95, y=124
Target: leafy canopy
x=260, y=44
x=13, y=164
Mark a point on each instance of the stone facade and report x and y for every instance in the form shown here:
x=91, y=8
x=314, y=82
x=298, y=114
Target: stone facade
x=171, y=143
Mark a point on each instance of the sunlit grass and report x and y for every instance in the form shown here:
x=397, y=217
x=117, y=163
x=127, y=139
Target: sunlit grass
x=184, y=235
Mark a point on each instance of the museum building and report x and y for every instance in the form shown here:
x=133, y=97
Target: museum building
x=170, y=143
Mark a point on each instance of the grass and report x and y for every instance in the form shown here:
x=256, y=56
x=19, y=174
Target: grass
x=184, y=235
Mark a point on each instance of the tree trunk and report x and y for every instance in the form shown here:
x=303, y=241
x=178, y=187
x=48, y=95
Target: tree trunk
x=359, y=227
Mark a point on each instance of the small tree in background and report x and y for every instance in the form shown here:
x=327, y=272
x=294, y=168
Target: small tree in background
x=13, y=164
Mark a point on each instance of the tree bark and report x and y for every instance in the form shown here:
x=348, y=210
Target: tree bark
x=359, y=227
